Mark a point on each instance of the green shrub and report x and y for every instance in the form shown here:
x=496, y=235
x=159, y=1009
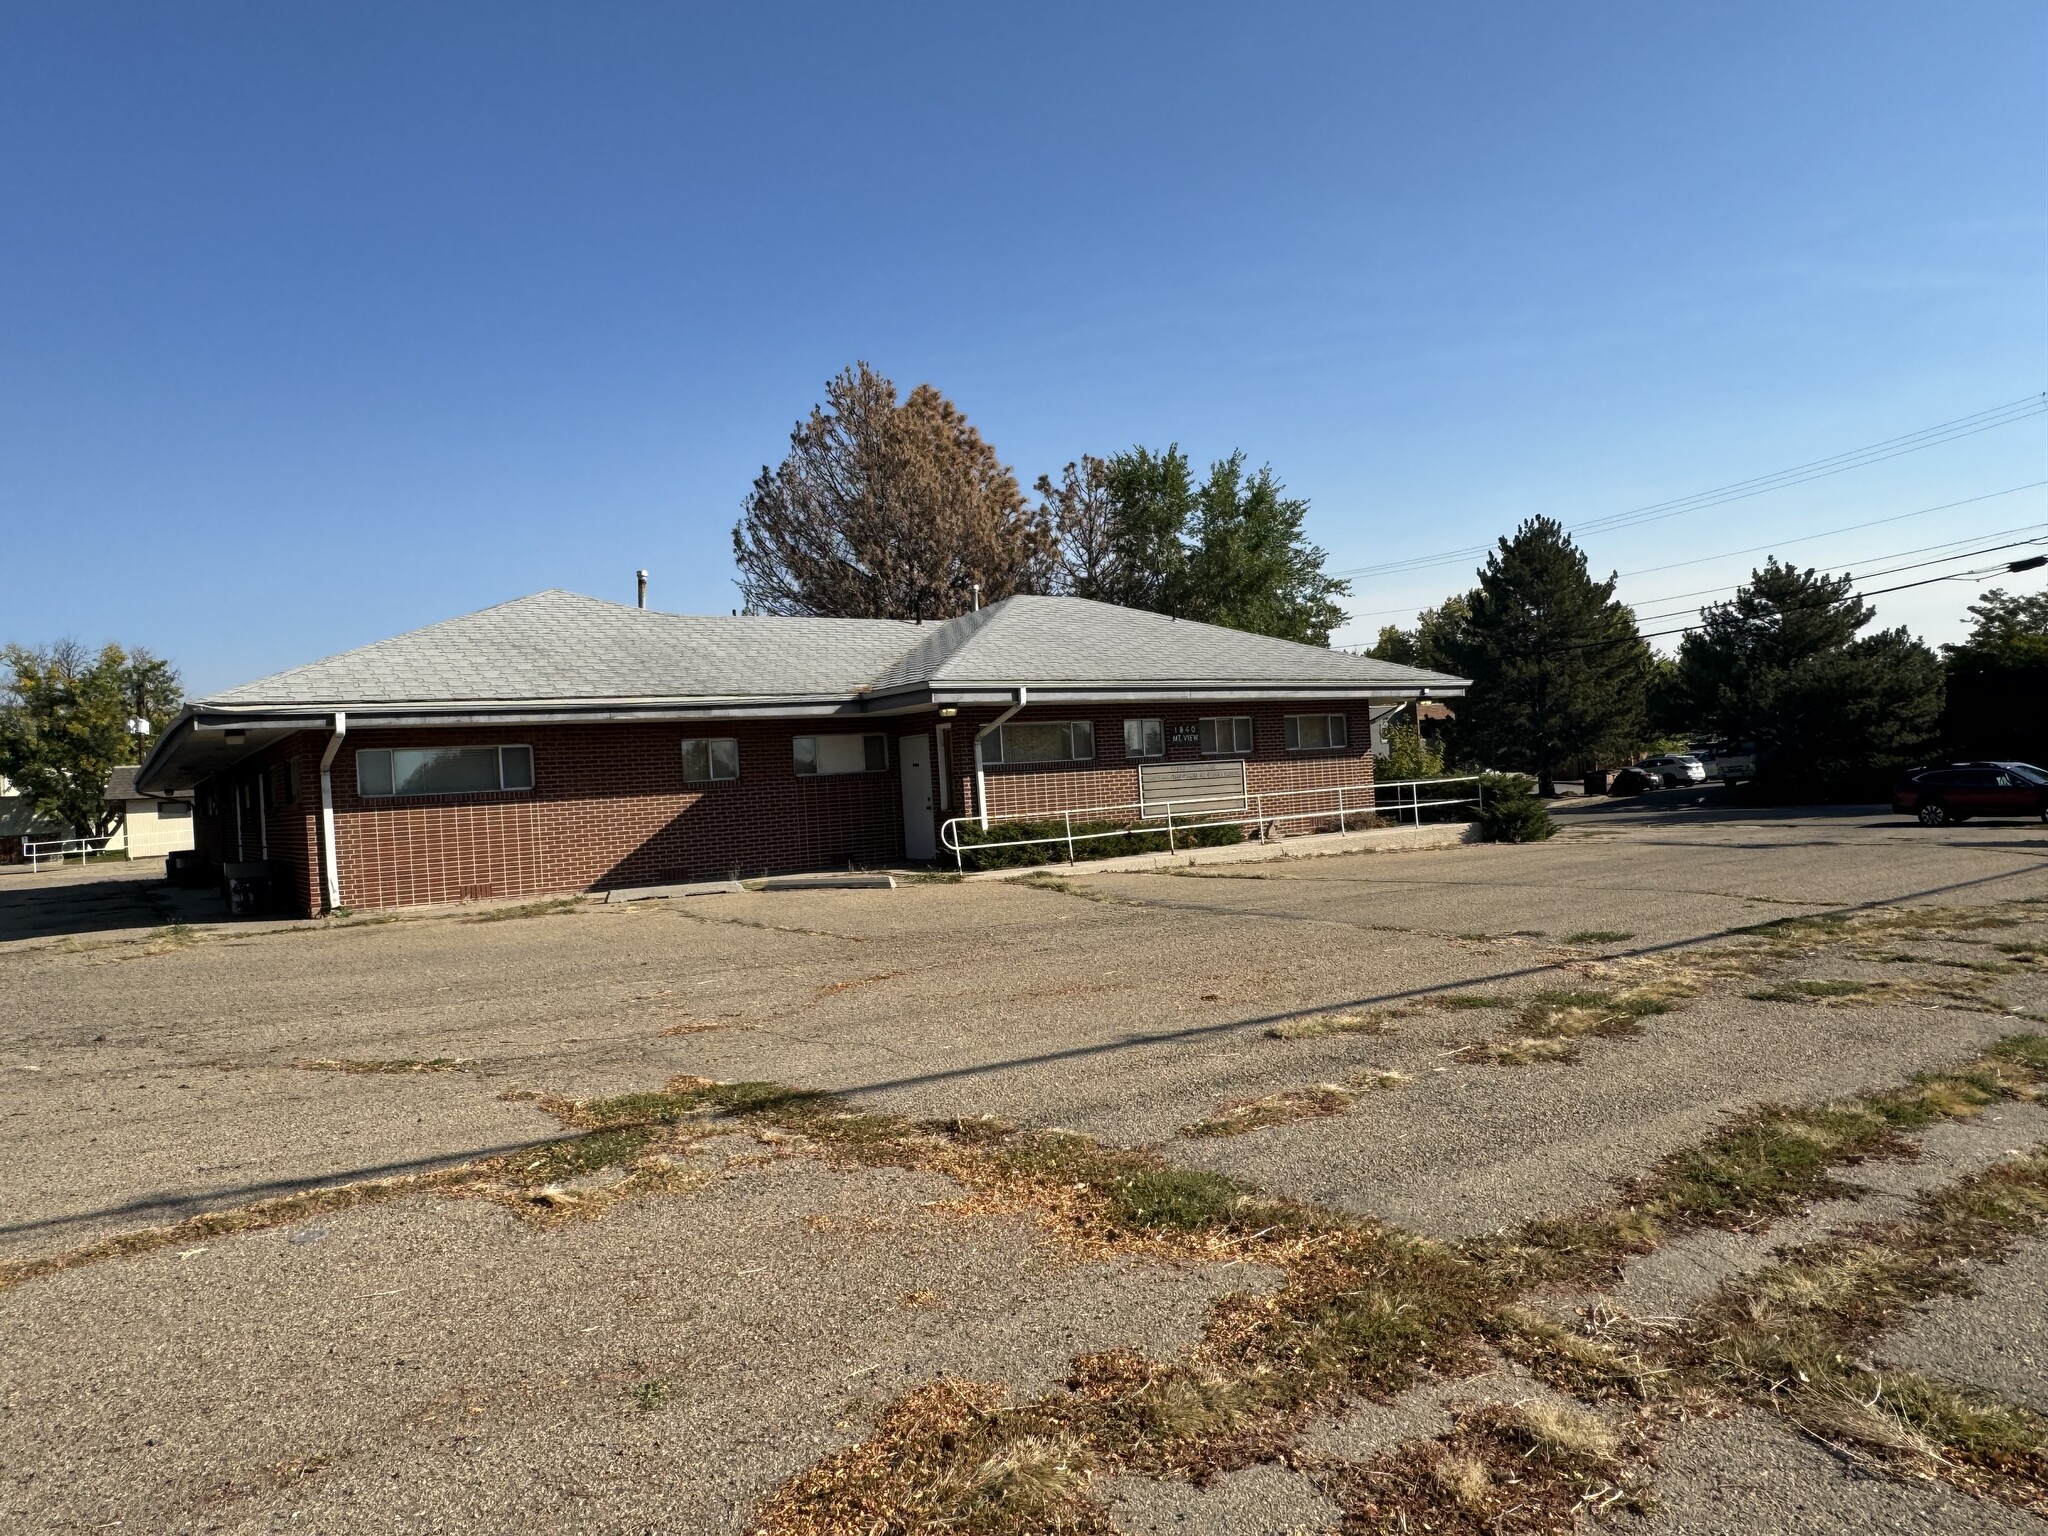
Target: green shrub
x=1125, y=839
x=1510, y=811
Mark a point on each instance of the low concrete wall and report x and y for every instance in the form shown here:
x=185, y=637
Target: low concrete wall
x=1448, y=834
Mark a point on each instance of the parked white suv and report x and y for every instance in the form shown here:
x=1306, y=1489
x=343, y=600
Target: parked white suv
x=1732, y=762
x=1676, y=769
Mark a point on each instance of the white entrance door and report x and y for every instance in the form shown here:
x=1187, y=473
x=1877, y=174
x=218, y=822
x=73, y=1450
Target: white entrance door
x=915, y=754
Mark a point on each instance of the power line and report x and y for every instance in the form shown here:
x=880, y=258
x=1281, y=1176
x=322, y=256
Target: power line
x=1380, y=613
x=1672, y=597
x=1799, y=474
x=2006, y=568
x=1807, y=538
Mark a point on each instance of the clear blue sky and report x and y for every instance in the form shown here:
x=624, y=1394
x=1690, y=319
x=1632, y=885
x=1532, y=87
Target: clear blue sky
x=325, y=321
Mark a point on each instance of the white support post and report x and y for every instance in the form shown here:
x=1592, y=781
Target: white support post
x=330, y=869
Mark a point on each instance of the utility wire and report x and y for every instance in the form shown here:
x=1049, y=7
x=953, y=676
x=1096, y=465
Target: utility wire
x=1807, y=538
x=1739, y=490
x=2007, y=568
x=1965, y=554
x=1380, y=613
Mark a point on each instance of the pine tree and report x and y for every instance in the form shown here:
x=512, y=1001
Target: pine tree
x=886, y=510
x=1556, y=665
x=1781, y=664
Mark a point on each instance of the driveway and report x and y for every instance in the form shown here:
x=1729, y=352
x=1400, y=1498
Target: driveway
x=428, y=1346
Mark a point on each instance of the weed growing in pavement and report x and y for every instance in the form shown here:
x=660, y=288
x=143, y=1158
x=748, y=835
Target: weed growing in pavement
x=1455, y=1001
x=1361, y=1308
x=1766, y=1163
x=1838, y=992
x=1548, y=1022
x=1038, y=880
x=1794, y=1337
x=547, y=908
x=1599, y=936
x=1341, y=1021
x=1318, y=1101
x=650, y=1395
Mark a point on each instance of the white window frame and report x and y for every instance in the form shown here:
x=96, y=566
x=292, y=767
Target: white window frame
x=390, y=756
x=710, y=744
x=1336, y=732
x=1211, y=728
x=1146, y=726
x=870, y=751
x=995, y=751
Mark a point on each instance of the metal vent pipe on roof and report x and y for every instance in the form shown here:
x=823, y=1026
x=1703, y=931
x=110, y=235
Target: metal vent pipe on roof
x=641, y=577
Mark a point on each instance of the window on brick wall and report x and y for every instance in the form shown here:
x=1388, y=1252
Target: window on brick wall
x=1040, y=741
x=1314, y=733
x=707, y=760
x=1226, y=733
x=841, y=754
x=1144, y=738
x=442, y=770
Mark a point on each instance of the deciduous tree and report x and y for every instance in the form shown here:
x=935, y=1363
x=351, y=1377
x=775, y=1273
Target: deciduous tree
x=1120, y=524
x=1250, y=565
x=886, y=509
x=67, y=719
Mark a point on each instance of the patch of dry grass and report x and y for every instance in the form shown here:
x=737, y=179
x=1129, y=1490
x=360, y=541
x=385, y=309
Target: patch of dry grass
x=1548, y=1022
x=1339, y=1021
x=1764, y=1164
x=545, y=908
x=401, y=1065
x=1795, y=1336
x=1318, y=1101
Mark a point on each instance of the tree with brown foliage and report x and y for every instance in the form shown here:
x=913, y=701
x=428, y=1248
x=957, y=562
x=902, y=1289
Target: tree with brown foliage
x=886, y=510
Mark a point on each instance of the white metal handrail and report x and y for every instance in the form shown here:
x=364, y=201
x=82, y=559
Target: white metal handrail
x=61, y=848
x=1349, y=800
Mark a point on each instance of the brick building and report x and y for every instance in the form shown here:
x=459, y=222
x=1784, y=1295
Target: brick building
x=559, y=743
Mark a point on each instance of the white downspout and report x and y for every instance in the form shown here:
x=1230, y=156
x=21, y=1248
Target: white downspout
x=980, y=778
x=330, y=870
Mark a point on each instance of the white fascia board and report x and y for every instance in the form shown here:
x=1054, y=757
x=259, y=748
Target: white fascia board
x=1370, y=693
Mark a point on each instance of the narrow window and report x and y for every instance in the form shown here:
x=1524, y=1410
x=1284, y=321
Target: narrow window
x=1044, y=741
x=1144, y=738
x=710, y=759
x=442, y=770
x=1223, y=734
x=515, y=767
x=840, y=754
x=1314, y=733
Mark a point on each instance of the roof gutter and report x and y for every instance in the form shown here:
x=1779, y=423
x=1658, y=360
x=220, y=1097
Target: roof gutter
x=980, y=777
x=330, y=868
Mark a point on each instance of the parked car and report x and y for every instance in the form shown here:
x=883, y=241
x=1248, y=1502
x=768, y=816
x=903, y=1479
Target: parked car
x=1732, y=762
x=1942, y=796
x=1675, y=769
x=1633, y=781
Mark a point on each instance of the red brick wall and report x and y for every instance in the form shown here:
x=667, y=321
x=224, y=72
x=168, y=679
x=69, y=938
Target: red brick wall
x=1112, y=779
x=609, y=807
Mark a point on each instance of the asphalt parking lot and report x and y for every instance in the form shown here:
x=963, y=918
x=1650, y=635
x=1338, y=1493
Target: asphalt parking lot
x=678, y=1341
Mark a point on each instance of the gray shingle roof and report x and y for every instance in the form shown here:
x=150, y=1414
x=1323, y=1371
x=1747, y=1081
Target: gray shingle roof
x=559, y=646
x=1069, y=640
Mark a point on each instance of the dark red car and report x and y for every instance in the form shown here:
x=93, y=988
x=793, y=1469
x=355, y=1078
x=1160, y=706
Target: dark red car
x=1942, y=796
